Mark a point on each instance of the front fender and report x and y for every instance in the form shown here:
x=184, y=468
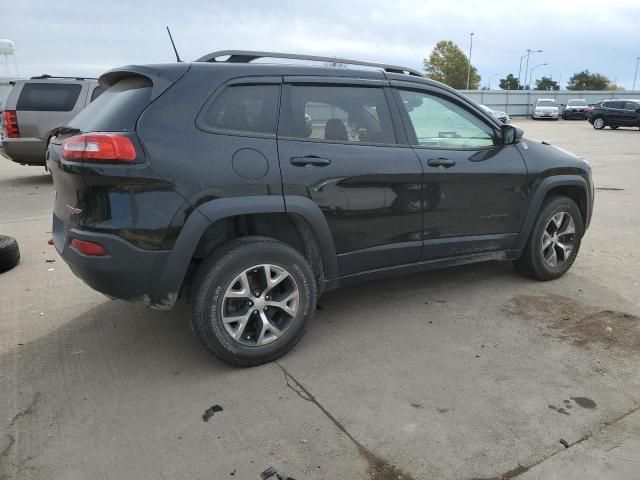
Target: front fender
x=539, y=194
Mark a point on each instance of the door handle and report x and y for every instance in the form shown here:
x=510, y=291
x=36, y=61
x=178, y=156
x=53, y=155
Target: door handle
x=310, y=160
x=441, y=162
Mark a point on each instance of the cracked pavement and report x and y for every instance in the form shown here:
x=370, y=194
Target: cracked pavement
x=468, y=373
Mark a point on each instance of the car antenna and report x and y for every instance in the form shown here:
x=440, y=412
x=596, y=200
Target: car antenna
x=174, y=46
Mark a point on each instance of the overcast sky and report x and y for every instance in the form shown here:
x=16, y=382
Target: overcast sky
x=87, y=37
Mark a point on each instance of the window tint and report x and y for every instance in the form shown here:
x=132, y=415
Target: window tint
x=341, y=114
x=613, y=104
x=439, y=123
x=631, y=106
x=48, y=97
x=244, y=108
x=96, y=93
x=117, y=109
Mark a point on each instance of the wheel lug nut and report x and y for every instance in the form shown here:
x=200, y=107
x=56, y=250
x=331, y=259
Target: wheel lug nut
x=257, y=294
x=265, y=308
x=250, y=303
x=267, y=297
x=255, y=312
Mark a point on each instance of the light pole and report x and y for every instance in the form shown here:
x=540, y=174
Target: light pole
x=470, y=49
x=529, y=52
x=532, y=69
x=635, y=74
x=526, y=69
x=489, y=86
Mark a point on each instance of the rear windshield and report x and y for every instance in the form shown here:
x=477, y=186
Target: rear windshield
x=117, y=109
x=48, y=97
x=577, y=102
x=546, y=103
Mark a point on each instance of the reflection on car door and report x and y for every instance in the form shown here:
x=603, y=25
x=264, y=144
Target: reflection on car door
x=337, y=146
x=475, y=188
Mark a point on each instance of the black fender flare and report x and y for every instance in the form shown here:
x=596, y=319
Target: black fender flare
x=538, y=197
x=175, y=269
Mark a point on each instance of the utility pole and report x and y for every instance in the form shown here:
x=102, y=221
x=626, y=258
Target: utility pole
x=635, y=74
x=469, y=69
x=529, y=52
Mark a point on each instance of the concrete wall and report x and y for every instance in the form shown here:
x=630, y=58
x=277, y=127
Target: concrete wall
x=518, y=102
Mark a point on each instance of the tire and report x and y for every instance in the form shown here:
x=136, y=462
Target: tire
x=9, y=253
x=614, y=127
x=532, y=263
x=212, y=295
x=598, y=123
x=564, y=117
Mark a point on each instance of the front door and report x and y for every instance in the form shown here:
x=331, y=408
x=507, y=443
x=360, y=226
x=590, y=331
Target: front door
x=338, y=146
x=475, y=188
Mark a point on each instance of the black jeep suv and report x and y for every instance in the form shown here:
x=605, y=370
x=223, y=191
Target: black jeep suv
x=614, y=113
x=251, y=188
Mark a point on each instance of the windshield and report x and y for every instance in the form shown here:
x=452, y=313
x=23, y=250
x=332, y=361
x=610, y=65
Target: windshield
x=546, y=103
x=577, y=102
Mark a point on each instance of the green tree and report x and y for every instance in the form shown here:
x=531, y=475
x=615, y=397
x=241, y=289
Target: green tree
x=586, y=80
x=509, y=83
x=545, y=83
x=448, y=64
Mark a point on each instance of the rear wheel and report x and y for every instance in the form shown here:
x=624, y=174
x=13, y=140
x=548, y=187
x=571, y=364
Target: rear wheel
x=598, y=123
x=554, y=240
x=614, y=127
x=252, y=301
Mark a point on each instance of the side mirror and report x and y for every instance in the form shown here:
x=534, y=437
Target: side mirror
x=511, y=135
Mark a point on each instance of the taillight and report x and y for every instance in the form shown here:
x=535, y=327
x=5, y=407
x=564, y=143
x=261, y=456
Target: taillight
x=11, y=123
x=99, y=147
x=88, y=248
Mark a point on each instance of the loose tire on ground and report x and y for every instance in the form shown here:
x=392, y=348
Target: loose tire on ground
x=9, y=253
x=532, y=263
x=218, y=294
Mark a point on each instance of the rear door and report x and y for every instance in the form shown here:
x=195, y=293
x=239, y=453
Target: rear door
x=475, y=187
x=615, y=113
x=339, y=146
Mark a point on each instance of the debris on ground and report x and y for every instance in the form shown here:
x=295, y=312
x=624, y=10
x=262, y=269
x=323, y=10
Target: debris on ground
x=209, y=412
x=272, y=473
x=49, y=260
x=564, y=443
x=50, y=269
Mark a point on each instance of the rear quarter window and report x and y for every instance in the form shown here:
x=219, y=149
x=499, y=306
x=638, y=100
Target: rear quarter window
x=117, y=109
x=48, y=97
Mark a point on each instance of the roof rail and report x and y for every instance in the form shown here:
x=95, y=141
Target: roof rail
x=246, y=56
x=47, y=76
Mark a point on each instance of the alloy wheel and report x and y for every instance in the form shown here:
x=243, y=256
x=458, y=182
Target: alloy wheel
x=260, y=304
x=598, y=123
x=558, y=239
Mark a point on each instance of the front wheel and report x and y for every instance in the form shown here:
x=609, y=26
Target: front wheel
x=598, y=123
x=252, y=301
x=554, y=240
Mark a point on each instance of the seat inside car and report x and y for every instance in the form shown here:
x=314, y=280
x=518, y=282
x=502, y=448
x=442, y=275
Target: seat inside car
x=334, y=129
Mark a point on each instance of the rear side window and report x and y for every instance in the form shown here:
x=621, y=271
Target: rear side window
x=339, y=114
x=613, y=104
x=96, y=93
x=117, y=108
x=48, y=97
x=243, y=109
x=631, y=106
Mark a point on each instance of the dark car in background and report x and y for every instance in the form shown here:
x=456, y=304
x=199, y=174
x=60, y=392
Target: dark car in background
x=251, y=188
x=575, y=108
x=614, y=114
x=35, y=107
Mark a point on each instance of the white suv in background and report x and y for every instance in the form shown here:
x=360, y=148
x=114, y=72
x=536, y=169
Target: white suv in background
x=545, y=108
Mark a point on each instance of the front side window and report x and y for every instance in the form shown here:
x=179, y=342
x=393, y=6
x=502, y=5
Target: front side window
x=339, y=114
x=244, y=109
x=48, y=97
x=440, y=123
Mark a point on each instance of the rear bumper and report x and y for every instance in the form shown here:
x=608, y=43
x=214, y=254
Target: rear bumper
x=26, y=151
x=126, y=272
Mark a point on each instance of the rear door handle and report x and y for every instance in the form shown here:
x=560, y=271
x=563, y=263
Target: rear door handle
x=310, y=160
x=441, y=162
